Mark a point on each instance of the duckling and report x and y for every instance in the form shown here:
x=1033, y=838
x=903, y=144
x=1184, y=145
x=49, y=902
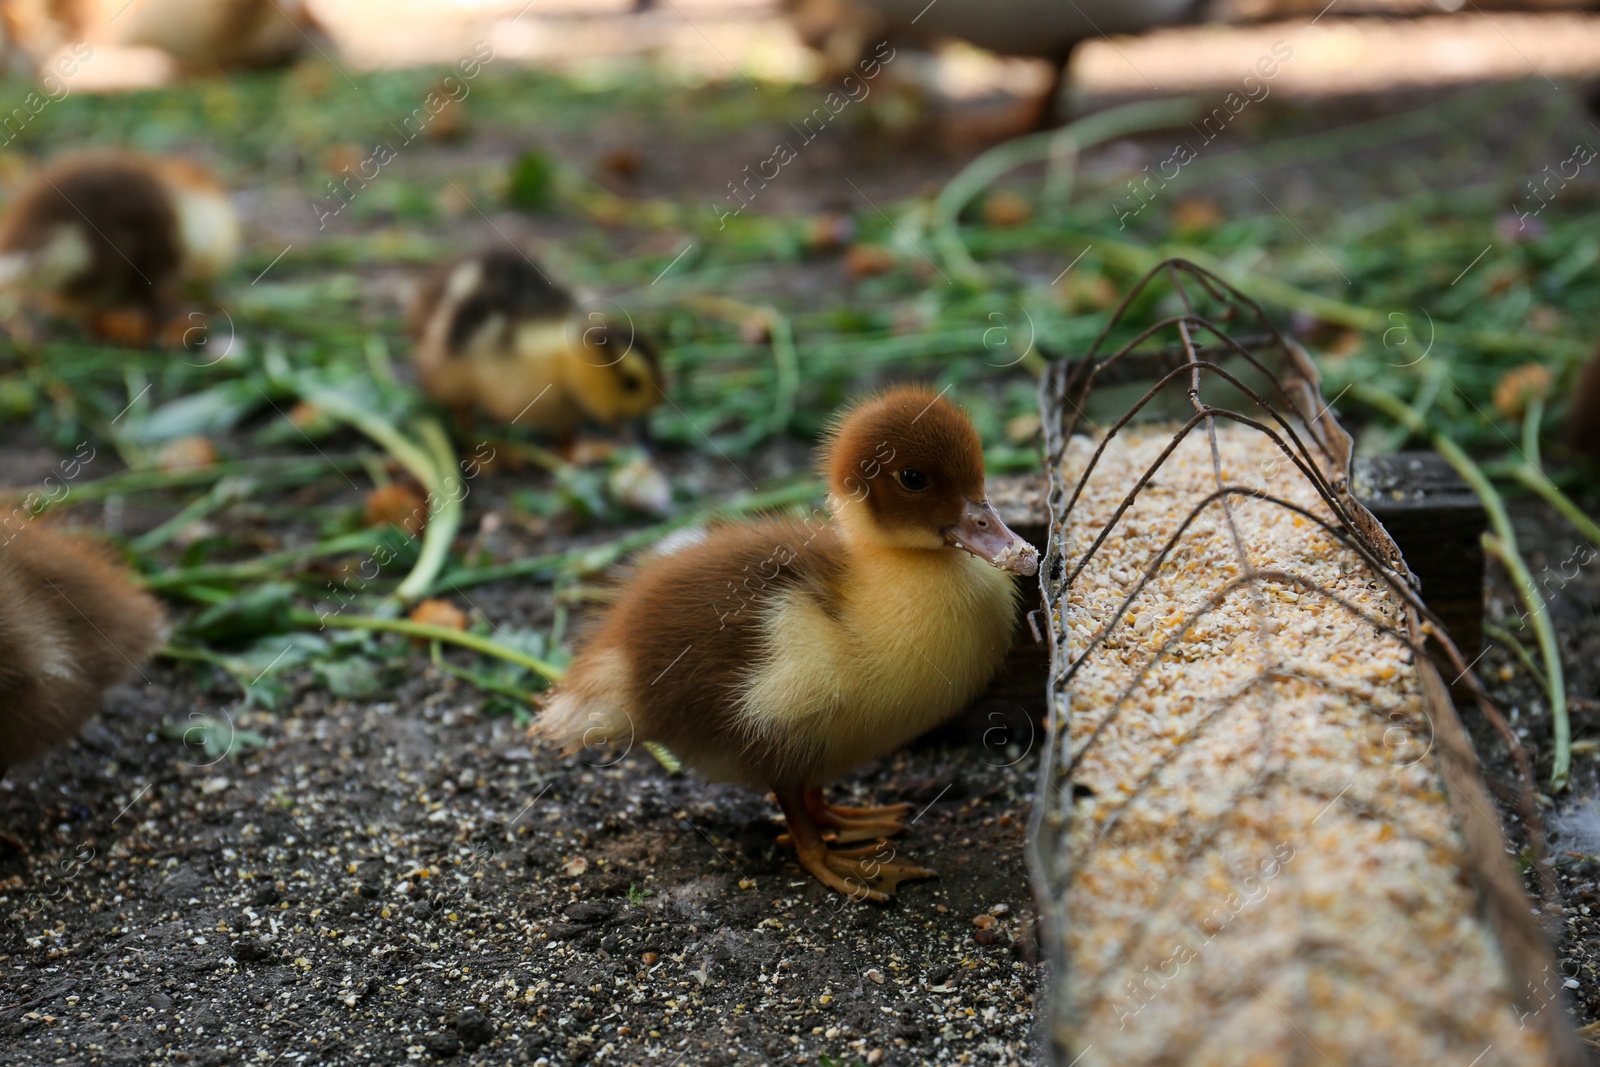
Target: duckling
x=199, y=35
x=1583, y=412
x=493, y=331
x=209, y=34
x=1034, y=29
x=780, y=654
x=71, y=625
x=112, y=237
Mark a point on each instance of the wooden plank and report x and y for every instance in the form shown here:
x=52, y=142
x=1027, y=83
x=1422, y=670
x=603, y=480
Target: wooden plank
x=1439, y=523
x=1020, y=500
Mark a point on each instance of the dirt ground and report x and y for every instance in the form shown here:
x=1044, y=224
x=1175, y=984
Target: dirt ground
x=404, y=878
x=1571, y=821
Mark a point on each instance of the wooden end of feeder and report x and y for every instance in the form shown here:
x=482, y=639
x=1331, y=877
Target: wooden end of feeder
x=1020, y=500
x=1438, y=522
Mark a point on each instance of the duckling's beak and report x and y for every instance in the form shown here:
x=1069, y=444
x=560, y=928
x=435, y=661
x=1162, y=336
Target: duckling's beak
x=981, y=532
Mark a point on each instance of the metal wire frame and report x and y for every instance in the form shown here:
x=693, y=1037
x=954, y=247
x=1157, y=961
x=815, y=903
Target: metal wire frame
x=1324, y=462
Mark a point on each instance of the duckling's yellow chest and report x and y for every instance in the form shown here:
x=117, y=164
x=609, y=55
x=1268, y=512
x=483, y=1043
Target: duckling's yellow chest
x=909, y=639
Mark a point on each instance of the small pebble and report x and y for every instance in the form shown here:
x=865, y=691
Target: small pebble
x=983, y=922
x=473, y=1028
x=649, y=959
x=441, y=1044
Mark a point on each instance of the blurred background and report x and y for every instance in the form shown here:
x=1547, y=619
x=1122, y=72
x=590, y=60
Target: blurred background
x=741, y=144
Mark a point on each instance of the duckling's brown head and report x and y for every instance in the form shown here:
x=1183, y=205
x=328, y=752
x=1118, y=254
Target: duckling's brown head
x=905, y=470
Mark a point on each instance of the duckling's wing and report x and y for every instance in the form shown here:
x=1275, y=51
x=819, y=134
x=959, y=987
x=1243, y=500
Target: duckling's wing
x=511, y=285
x=673, y=658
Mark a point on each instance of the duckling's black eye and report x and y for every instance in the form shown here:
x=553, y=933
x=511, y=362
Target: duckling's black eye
x=912, y=480
x=630, y=384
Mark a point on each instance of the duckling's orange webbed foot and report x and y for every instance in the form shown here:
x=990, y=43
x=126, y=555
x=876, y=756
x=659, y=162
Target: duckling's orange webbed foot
x=130, y=327
x=855, y=824
x=865, y=873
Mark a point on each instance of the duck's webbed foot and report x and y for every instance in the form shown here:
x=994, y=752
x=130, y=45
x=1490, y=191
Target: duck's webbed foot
x=131, y=327
x=865, y=873
x=855, y=824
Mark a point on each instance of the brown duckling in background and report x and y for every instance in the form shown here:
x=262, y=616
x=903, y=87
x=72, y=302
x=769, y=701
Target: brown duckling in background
x=114, y=237
x=71, y=625
x=493, y=331
x=781, y=654
x=1583, y=413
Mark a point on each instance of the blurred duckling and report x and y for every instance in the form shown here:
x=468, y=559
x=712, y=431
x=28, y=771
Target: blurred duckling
x=208, y=34
x=1583, y=412
x=72, y=624
x=842, y=30
x=781, y=654
x=113, y=238
x=197, y=35
x=494, y=332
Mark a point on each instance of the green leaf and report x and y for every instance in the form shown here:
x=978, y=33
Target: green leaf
x=355, y=678
x=253, y=613
x=278, y=651
x=532, y=182
x=212, y=736
x=17, y=398
x=530, y=643
x=204, y=414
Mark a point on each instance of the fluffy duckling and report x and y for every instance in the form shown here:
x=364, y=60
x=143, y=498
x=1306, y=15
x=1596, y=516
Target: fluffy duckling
x=71, y=624
x=781, y=654
x=1035, y=29
x=113, y=237
x=199, y=35
x=209, y=34
x=493, y=331
x=1583, y=413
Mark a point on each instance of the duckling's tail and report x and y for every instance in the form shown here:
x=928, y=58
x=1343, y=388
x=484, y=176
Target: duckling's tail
x=587, y=711
x=208, y=226
x=71, y=625
x=13, y=267
x=72, y=586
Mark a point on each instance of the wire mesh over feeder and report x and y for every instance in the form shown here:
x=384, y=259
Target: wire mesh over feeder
x=1263, y=837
